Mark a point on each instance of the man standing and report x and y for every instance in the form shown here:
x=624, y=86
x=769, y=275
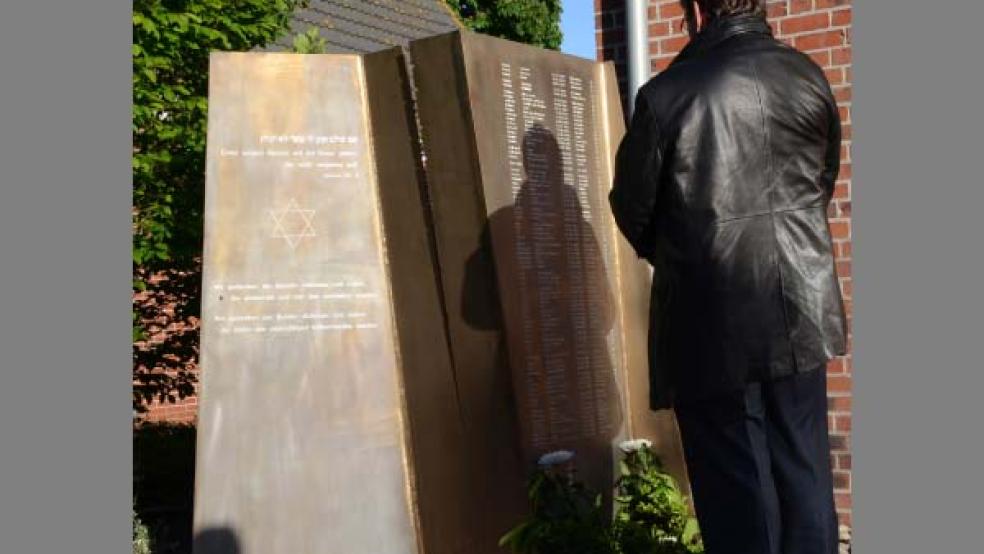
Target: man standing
x=722, y=182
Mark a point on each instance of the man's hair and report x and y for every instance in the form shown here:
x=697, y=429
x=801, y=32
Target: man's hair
x=718, y=8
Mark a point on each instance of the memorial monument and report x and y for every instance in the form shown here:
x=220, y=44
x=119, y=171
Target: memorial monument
x=328, y=411
x=519, y=143
x=386, y=351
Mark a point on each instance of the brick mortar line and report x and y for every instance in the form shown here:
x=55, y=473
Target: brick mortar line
x=818, y=30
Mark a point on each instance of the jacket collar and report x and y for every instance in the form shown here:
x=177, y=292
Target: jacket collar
x=720, y=29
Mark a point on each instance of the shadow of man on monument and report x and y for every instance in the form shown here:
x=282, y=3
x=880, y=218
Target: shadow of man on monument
x=216, y=540
x=557, y=311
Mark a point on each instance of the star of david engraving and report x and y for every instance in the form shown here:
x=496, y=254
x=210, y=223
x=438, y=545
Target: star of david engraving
x=292, y=224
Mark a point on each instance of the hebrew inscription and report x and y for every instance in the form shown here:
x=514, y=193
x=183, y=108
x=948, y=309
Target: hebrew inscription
x=301, y=437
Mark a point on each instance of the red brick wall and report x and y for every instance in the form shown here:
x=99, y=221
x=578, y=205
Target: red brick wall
x=182, y=410
x=821, y=28
x=165, y=361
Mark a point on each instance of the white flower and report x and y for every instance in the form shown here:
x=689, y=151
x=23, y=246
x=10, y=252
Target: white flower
x=634, y=445
x=556, y=457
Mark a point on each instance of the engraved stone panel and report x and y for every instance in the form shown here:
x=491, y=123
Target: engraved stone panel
x=328, y=400
x=519, y=144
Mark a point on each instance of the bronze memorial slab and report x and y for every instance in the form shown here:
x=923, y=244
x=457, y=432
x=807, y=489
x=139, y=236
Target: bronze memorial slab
x=519, y=145
x=328, y=420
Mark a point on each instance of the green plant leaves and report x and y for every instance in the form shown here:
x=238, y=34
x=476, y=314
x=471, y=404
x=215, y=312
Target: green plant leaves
x=534, y=22
x=310, y=42
x=566, y=518
x=652, y=515
x=141, y=536
x=171, y=44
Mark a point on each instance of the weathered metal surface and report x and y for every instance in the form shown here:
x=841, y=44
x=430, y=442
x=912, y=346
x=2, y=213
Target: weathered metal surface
x=312, y=213
x=519, y=144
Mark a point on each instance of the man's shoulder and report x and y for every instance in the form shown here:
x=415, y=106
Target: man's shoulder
x=671, y=85
x=676, y=87
x=788, y=71
x=701, y=74
x=784, y=54
x=691, y=74
x=673, y=77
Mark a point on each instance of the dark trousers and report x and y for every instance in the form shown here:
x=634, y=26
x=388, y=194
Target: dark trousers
x=759, y=466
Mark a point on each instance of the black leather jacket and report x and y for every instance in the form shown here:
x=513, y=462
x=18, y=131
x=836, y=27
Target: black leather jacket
x=722, y=182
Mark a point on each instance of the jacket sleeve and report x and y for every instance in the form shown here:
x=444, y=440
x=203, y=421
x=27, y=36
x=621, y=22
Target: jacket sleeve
x=638, y=165
x=832, y=159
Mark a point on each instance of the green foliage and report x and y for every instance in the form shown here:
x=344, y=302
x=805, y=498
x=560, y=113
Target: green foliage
x=310, y=42
x=141, y=536
x=534, y=22
x=171, y=43
x=137, y=331
x=566, y=518
x=653, y=516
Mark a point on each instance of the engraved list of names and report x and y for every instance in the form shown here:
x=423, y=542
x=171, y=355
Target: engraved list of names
x=557, y=300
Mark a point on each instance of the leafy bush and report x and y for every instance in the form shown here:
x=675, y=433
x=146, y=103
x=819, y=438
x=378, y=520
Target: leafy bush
x=171, y=44
x=652, y=515
x=534, y=22
x=141, y=536
x=566, y=518
x=310, y=42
